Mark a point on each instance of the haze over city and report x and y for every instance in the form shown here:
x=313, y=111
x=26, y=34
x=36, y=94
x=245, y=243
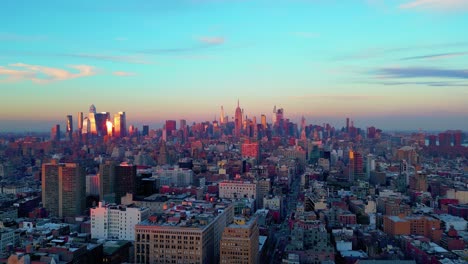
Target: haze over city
x=399, y=65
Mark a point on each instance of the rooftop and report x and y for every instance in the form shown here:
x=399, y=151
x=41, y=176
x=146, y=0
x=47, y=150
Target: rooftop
x=189, y=214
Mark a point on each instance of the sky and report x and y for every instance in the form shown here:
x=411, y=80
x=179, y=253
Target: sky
x=398, y=65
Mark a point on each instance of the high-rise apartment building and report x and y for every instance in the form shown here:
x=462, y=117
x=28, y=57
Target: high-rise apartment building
x=187, y=233
x=63, y=189
x=239, y=243
x=107, y=182
x=125, y=180
x=116, y=221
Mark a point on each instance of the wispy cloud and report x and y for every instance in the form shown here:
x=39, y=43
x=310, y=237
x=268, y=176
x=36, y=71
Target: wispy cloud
x=20, y=38
x=437, y=56
x=133, y=59
x=204, y=43
x=377, y=52
x=43, y=74
x=439, y=5
x=420, y=72
x=123, y=73
x=436, y=84
x=212, y=40
x=305, y=34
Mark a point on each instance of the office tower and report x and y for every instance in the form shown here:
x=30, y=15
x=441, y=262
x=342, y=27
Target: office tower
x=120, y=125
x=238, y=121
x=80, y=121
x=110, y=128
x=183, y=235
x=63, y=189
x=222, y=121
x=457, y=138
x=264, y=121
x=55, y=133
x=145, y=130
x=445, y=139
x=171, y=125
x=358, y=164
x=116, y=221
x=370, y=165
x=273, y=117
x=125, y=180
x=163, y=156
x=239, y=243
x=183, y=124
x=279, y=115
x=351, y=165
x=92, y=109
x=86, y=126
x=101, y=123
x=107, y=182
x=263, y=189
x=92, y=120
x=347, y=124
x=371, y=132
x=432, y=140
x=69, y=127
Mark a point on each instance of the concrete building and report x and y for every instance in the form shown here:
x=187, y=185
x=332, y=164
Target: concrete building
x=176, y=177
x=413, y=225
x=237, y=189
x=186, y=233
x=63, y=189
x=240, y=242
x=7, y=237
x=116, y=222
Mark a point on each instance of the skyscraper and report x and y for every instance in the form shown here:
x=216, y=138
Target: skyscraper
x=80, y=121
x=264, y=121
x=125, y=180
x=221, y=117
x=347, y=124
x=238, y=121
x=171, y=125
x=63, y=189
x=69, y=126
x=273, y=118
x=145, y=130
x=183, y=124
x=107, y=182
x=92, y=120
x=55, y=133
x=120, y=125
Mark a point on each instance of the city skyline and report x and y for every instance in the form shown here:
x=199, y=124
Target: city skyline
x=372, y=61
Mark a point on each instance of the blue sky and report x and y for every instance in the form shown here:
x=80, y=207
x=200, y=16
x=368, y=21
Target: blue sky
x=394, y=64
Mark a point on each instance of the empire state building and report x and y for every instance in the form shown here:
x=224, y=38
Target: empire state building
x=238, y=121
